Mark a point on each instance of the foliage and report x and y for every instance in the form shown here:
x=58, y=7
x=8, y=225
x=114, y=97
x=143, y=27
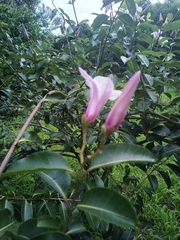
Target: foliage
x=60, y=179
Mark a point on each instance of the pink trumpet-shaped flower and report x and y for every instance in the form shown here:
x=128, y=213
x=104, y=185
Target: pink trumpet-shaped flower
x=119, y=110
x=101, y=89
x=25, y=33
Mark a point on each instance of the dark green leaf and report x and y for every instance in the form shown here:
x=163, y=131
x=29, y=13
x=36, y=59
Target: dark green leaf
x=47, y=222
x=38, y=162
x=76, y=227
x=174, y=168
x=59, y=180
x=108, y=205
x=153, y=181
x=113, y=154
x=166, y=178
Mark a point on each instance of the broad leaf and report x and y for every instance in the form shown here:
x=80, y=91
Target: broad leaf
x=47, y=222
x=172, y=26
x=59, y=180
x=126, y=19
x=7, y=222
x=76, y=227
x=109, y=206
x=26, y=211
x=131, y=6
x=113, y=154
x=38, y=162
x=99, y=20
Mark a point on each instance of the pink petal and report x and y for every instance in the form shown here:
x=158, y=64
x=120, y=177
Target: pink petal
x=119, y=110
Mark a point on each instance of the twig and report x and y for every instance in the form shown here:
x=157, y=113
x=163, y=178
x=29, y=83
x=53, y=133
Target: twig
x=23, y=129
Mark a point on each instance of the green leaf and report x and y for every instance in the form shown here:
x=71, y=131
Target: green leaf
x=93, y=222
x=166, y=178
x=144, y=59
x=113, y=154
x=47, y=222
x=50, y=208
x=26, y=211
x=131, y=6
x=76, y=227
x=56, y=97
x=59, y=180
x=153, y=181
x=174, y=168
x=109, y=206
x=152, y=95
x=32, y=136
x=29, y=230
x=99, y=20
x=172, y=26
x=126, y=19
x=162, y=131
x=6, y=221
x=38, y=162
x=8, y=205
x=63, y=212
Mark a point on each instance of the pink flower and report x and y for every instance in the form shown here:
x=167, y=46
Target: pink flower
x=101, y=89
x=119, y=110
x=108, y=7
x=25, y=32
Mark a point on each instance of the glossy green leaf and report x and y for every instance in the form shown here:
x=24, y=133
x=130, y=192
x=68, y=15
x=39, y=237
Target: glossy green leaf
x=38, y=162
x=161, y=131
x=51, y=236
x=26, y=211
x=113, y=154
x=59, y=180
x=76, y=227
x=99, y=20
x=131, y=6
x=48, y=222
x=99, y=182
x=109, y=206
x=32, y=136
x=166, y=178
x=174, y=168
x=153, y=181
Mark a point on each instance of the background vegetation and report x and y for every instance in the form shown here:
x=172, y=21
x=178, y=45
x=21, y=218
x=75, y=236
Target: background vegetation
x=45, y=192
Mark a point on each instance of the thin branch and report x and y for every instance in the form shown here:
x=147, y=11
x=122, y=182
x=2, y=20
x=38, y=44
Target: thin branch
x=23, y=129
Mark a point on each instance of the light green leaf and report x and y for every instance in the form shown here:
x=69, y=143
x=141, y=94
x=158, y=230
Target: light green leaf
x=56, y=97
x=39, y=161
x=172, y=26
x=113, y=154
x=131, y=6
x=109, y=206
x=152, y=95
x=26, y=211
x=99, y=20
x=59, y=180
x=76, y=227
x=144, y=59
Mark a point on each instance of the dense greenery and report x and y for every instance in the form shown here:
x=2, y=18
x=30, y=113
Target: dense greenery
x=62, y=179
